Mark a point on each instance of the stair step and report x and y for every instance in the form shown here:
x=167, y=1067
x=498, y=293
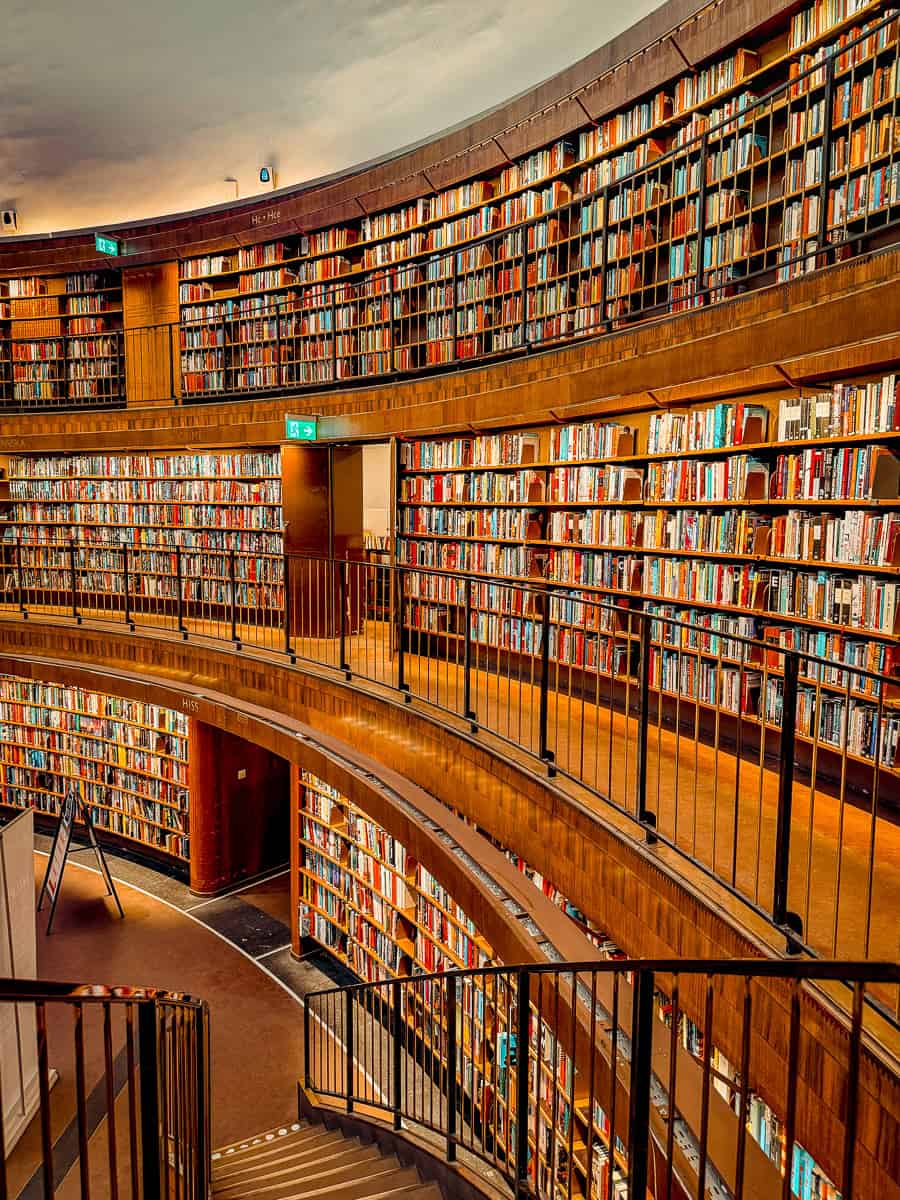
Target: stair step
x=258, y=1156
x=372, y=1184
x=288, y=1130
x=332, y=1166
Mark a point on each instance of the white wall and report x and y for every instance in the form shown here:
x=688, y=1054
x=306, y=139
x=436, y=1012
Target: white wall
x=377, y=489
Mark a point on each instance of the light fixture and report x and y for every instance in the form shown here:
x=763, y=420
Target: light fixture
x=267, y=175
x=231, y=179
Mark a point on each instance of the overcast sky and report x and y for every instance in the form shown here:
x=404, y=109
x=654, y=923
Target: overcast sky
x=117, y=109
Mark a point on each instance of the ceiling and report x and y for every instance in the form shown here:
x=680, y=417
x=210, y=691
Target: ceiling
x=113, y=110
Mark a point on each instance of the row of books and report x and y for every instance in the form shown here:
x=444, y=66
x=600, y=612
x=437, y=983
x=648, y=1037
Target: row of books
x=253, y=464
x=187, y=490
x=128, y=759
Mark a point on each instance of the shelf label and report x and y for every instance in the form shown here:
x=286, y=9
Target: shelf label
x=301, y=429
x=106, y=245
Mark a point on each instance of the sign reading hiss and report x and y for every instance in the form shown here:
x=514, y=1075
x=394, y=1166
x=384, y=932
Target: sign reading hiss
x=106, y=245
x=301, y=429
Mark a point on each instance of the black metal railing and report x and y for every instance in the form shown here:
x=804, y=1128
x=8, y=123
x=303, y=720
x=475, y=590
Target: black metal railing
x=772, y=769
x=613, y=1079
x=760, y=191
x=132, y=1117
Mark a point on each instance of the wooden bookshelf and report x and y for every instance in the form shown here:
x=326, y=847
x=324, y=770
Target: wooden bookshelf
x=734, y=516
x=204, y=504
x=62, y=337
x=382, y=914
x=613, y=226
x=128, y=759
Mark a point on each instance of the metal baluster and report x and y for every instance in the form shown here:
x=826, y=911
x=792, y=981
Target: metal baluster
x=789, y=922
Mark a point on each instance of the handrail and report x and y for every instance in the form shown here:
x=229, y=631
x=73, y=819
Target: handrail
x=587, y=1078
x=154, y=368
x=154, y=1075
x=760, y=764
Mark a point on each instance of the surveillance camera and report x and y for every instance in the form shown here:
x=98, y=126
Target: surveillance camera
x=9, y=220
x=265, y=175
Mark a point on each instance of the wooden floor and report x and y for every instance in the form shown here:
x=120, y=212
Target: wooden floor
x=720, y=810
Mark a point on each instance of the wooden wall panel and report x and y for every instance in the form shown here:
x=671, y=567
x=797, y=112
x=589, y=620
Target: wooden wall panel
x=152, y=354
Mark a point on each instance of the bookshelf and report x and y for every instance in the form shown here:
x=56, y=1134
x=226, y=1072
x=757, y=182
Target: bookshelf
x=750, y=169
x=205, y=505
x=61, y=340
x=129, y=760
x=362, y=897
x=735, y=173
x=769, y=516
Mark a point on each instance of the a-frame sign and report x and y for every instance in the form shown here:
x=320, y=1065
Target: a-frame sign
x=73, y=808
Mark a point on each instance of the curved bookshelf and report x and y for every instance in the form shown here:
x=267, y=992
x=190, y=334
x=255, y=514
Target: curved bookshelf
x=772, y=156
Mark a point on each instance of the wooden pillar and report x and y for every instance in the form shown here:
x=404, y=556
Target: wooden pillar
x=240, y=797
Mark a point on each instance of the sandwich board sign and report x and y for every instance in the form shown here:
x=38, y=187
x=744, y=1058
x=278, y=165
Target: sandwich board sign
x=73, y=808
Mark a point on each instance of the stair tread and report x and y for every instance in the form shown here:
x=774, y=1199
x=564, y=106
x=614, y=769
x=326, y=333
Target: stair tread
x=329, y=1142
x=287, y=1129
x=375, y=1183
x=318, y=1168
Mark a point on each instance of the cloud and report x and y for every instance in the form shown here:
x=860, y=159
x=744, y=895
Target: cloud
x=129, y=109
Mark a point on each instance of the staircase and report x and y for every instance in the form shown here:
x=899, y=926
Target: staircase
x=308, y=1160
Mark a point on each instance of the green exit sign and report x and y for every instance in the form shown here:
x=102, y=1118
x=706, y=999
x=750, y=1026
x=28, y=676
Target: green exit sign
x=106, y=245
x=301, y=429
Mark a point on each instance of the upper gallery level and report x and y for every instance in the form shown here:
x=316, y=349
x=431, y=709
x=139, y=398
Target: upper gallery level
x=712, y=149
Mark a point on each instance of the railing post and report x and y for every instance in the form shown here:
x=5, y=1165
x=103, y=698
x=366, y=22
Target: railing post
x=343, y=665
x=278, y=372
x=523, y=294
x=450, y=1006
x=232, y=588
x=307, y=1074
x=202, y=1112
x=151, y=1151
x=390, y=279
x=468, y=712
x=179, y=594
x=639, y=1087
x=453, y=308
x=288, y=612
x=402, y=685
x=396, y=1053
x=701, y=215
x=73, y=582
x=604, y=261
x=520, y=1103
x=827, y=138
x=545, y=752
x=646, y=818
x=348, y=1042
x=333, y=334
x=788, y=921
x=20, y=589
x=127, y=614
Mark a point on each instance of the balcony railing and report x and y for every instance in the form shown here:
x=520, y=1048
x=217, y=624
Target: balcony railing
x=609, y=1079
x=136, y=1067
x=779, y=185
x=773, y=771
